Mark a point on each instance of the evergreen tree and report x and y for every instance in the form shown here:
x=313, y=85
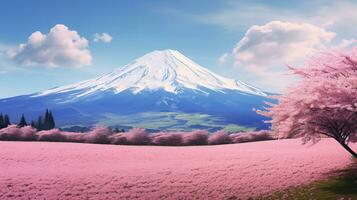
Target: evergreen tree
x=51, y=121
x=46, y=121
x=2, y=123
x=39, y=124
x=6, y=121
x=22, y=122
x=33, y=124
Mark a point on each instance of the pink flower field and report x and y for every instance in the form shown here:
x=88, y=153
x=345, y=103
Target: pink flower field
x=45, y=170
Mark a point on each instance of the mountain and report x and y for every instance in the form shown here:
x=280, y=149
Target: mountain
x=160, y=90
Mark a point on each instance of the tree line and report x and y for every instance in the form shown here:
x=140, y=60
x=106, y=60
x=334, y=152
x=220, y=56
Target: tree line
x=4, y=121
x=44, y=122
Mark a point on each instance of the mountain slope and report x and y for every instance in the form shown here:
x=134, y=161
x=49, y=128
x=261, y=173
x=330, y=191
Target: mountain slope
x=165, y=84
x=168, y=70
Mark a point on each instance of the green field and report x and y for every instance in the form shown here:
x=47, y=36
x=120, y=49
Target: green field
x=172, y=121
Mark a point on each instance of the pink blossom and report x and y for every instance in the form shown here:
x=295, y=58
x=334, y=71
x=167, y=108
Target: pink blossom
x=137, y=136
x=219, y=137
x=251, y=136
x=12, y=132
x=98, y=135
x=323, y=103
x=198, y=137
x=167, y=139
x=118, y=138
x=53, y=135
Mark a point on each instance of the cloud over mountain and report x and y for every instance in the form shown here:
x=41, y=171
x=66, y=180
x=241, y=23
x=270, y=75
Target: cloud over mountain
x=265, y=50
x=278, y=42
x=60, y=47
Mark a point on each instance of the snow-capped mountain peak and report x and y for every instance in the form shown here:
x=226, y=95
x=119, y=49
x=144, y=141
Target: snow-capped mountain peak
x=167, y=69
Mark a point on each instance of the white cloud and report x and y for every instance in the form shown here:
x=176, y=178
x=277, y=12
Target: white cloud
x=223, y=59
x=279, y=42
x=265, y=50
x=104, y=37
x=347, y=43
x=60, y=47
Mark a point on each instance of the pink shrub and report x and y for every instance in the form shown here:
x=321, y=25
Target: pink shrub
x=13, y=133
x=262, y=135
x=167, y=139
x=118, y=138
x=251, y=136
x=74, y=137
x=137, y=136
x=198, y=137
x=10, y=133
x=98, y=135
x=219, y=137
x=28, y=133
x=240, y=137
x=53, y=135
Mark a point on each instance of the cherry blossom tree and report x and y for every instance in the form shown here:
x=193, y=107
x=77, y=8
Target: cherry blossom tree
x=323, y=103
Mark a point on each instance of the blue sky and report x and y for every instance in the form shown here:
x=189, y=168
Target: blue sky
x=247, y=40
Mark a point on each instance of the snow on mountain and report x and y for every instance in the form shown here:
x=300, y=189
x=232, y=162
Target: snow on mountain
x=168, y=70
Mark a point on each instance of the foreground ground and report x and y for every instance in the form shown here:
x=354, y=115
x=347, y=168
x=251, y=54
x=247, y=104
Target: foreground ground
x=342, y=185
x=34, y=170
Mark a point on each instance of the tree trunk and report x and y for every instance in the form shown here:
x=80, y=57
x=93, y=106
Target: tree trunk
x=354, y=154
